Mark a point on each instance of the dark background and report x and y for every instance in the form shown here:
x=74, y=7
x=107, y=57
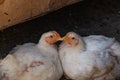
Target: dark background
x=86, y=18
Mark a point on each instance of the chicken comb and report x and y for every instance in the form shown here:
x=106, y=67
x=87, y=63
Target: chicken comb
x=56, y=33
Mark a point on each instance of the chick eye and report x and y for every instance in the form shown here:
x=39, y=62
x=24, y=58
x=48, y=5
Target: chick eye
x=51, y=36
x=73, y=38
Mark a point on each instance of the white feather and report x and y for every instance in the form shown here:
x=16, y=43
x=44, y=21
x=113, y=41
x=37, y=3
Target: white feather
x=93, y=62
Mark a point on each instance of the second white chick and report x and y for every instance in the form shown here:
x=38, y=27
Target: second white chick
x=88, y=58
x=34, y=61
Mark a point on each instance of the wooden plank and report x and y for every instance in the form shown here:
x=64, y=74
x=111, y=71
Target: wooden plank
x=16, y=11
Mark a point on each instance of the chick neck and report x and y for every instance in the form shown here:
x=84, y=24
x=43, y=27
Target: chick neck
x=46, y=48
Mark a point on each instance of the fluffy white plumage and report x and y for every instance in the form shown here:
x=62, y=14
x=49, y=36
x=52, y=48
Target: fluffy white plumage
x=33, y=61
x=87, y=58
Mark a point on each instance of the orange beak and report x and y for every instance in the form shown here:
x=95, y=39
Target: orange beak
x=66, y=39
x=60, y=39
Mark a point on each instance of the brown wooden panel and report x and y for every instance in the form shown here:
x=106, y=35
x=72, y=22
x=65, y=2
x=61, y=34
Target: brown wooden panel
x=16, y=11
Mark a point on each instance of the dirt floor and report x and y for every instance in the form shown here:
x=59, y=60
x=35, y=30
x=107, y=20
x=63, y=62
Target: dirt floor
x=86, y=18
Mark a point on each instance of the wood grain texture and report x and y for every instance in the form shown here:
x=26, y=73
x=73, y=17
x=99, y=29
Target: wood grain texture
x=16, y=11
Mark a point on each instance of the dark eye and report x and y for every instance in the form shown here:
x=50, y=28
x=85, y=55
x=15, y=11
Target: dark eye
x=51, y=36
x=73, y=38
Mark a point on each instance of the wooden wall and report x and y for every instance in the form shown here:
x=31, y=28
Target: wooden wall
x=16, y=11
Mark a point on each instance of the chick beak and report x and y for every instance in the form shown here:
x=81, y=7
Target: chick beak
x=60, y=39
x=64, y=38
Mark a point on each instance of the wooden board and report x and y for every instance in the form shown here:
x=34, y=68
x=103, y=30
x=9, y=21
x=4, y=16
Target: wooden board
x=16, y=11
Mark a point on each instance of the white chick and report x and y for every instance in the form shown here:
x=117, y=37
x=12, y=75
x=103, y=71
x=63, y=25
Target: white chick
x=89, y=57
x=34, y=61
x=9, y=66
